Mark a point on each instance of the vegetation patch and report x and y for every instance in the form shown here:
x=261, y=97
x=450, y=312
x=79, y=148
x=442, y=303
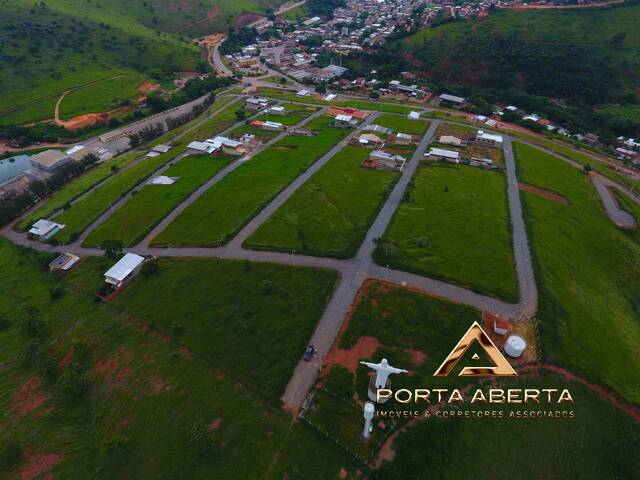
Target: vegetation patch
x=454, y=224
x=216, y=216
x=150, y=205
x=330, y=214
x=579, y=254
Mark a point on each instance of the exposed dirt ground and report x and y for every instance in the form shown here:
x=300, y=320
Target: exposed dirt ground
x=39, y=465
x=541, y=192
x=30, y=397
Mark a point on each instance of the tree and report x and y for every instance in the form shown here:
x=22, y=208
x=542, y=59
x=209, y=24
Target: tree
x=240, y=114
x=112, y=248
x=201, y=439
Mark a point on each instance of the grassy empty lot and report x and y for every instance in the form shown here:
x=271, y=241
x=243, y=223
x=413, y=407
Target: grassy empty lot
x=145, y=386
x=224, y=209
x=154, y=202
x=89, y=207
x=294, y=114
x=330, y=214
x=75, y=188
x=264, y=135
x=261, y=312
x=405, y=323
x=588, y=271
x=454, y=225
x=400, y=123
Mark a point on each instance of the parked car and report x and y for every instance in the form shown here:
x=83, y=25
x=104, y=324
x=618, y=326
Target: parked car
x=308, y=353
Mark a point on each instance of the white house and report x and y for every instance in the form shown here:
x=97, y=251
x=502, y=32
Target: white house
x=278, y=110
x=162, y=180
x=45, y=229
x=488, y=139
x=450, y=140
x=272, y=126
x=256, y=104
x=303, y=93
x=390, y=161
x=344, y=121
x=413, y=115
x=442, y=154
x=123, y=269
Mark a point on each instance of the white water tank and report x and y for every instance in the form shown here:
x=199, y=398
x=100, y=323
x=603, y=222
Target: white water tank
x=514, y=346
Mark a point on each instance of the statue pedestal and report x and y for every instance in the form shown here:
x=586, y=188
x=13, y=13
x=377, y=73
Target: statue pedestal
x=373, y=390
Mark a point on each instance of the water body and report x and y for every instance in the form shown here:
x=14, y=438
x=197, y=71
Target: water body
x=14, y=166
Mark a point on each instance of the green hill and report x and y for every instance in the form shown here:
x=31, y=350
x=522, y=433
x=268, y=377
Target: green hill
x=588, y=58
x=53, y=46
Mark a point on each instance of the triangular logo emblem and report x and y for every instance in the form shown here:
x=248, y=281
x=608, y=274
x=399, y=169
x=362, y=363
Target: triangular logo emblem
x=475, y=333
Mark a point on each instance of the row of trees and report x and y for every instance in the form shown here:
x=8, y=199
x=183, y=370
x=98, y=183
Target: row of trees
x=12, y=207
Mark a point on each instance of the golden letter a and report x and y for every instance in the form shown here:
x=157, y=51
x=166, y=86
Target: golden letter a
x=475, y=333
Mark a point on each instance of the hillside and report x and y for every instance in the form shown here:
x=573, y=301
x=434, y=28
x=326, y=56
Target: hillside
x=587, y=55
x=589, y=58
x=58, y=45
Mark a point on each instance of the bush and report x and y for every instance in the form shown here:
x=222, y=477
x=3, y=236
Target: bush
x=10, y=454
x=4, y=323
x=35, y=327
x=201, y=439
x=149, y=268
x=74, y=383
x=56, y=293
x=340, y=382
x=116, y=445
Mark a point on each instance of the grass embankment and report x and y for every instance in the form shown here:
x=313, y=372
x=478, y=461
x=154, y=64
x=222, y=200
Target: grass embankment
x=154, y=202
x=453, y=224
x=103, y=97
x=144, y=385
x=330, y=214
x=216, y=216
x=587, y=270
x=417, y=332
x=75, y=188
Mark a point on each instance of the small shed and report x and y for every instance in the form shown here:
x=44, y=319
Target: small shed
x=413, y=115
x=501, y=327
x=64, y=262
x=123, y=269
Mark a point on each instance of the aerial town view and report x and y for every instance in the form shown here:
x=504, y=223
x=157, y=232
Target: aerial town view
x=319, y=239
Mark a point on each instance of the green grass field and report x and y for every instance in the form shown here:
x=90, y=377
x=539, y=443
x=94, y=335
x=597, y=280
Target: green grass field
x=146, y=386
x=89, y=207
x=256, y=313
x=402, y=124
x=455, y=226
x=103, y=97
x=154, y=202
x=330, y=214
x=75, y=188
x=587, y=271
x=216, y=216
x=264, y=135
x=403, y=322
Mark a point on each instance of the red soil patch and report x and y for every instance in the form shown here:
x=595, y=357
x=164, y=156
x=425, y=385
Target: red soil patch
x=219, y=375
x=417, y=357
x=65, y=360
x=113, y=371
x=343, y=473
x=147, y=87
x=365, y=347
x=39, y=464
x=246, y=18
x=541, y=192
x=30, y=396
x=90, y=119
x=215, y=424
x=158, y=386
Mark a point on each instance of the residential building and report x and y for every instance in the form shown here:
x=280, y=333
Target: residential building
x=122, y=272
x=64, y=262
x=384, y=160
x=442, y=154
x=488, y=139
x=451, y=140
x=45, y=229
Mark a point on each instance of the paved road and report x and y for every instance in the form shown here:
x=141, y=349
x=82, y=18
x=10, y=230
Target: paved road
x=218, y=64
x=616, y=214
